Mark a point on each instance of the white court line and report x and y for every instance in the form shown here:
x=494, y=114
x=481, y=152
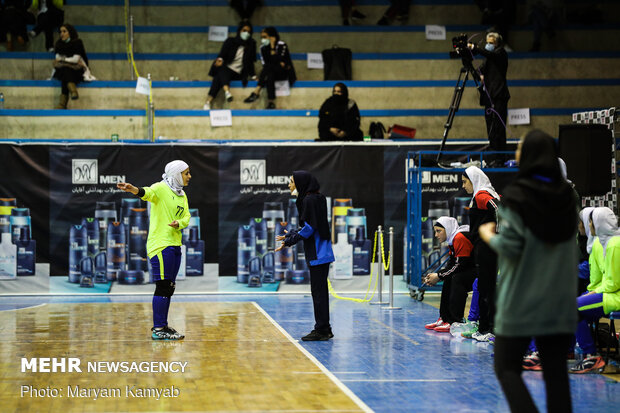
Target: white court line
x=25, y=308
x=328, y=373
x=400, y=380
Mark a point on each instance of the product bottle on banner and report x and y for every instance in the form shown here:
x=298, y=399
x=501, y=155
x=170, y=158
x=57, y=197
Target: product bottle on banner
x=292, y=216
x=6, y=205
x=126, y=205
x=101, y=266
x=329, y=210
x=87, y=272
x=138, y=233
x=298, y=277
x=361, y=253
x=261, y=232
x=8, y=258
x=92, y=229
x=254, y=268
x=105, y=212
x=341, y=206
x=115, y=252
x=20, y=218
x=195, y=254
x=78, y=249
x=246, y=250
x=343, y=253
x=405, y=256
x=460, y=210
x=183, y=267
x=284, y=257
x=273, y=213
x=269, y=266
x=194, y=222
x=356, y=218
x=26, y=253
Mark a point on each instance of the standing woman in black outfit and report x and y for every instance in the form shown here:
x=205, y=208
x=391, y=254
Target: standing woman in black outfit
x=277, y=65
x=235, y=62
x=483, y=209
x=315, y=233
x=68, y=69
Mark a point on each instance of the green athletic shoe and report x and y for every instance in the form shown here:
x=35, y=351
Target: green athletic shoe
x=469, y=333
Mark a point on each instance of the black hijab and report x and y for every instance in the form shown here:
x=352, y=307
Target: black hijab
x=311, y=204
x=539, y=194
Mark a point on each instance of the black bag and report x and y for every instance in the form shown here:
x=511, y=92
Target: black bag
x=376, y=130
x=337, y=63
x=605, y=339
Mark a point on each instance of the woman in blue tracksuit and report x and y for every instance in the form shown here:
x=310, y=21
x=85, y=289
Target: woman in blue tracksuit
x=315, y=233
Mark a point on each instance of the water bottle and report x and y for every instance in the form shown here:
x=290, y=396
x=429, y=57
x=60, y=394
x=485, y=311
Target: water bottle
x=1, y=100
x=578, y=353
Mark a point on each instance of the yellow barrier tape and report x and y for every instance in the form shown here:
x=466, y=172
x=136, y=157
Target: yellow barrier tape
x=372, y=274
x=386, y=264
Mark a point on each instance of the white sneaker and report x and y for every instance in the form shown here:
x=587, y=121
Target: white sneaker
x=51, y=50
x=484, y=338
x=207, y=106
x=229, y=96
x=32, y=34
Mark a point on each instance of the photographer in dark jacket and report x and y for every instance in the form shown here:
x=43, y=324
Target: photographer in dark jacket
x=339, y=117
x=234, y=62
x=494, y=93
x=277, y=65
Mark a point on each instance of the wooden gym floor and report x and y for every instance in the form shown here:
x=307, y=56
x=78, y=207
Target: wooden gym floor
x=237, y=358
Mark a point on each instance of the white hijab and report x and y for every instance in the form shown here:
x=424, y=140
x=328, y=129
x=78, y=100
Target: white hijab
x=172, y=176
x=452, y=228
x=480, y=182
x=585, y=215
x=605, y=225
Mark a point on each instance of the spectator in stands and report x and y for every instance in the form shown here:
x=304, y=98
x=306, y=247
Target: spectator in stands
x=50, y=15
x=544, y=19
x=349, y=12
x=458, y=274
x=494, y=94
x=234, y=62
x=538, y=265
x=15, y=17
x=603, y=296
x=398, y=10
x=277, y=65
x=482, y=209
x=245, y=8
x=70, y=64
x=339, y=117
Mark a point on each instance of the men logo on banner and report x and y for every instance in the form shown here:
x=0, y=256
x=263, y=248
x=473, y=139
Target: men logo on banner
x=253, y=171
x=84, y=171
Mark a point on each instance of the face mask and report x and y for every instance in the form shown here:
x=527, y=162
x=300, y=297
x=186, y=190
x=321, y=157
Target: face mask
x=264, y=42
x=245, y=35
x=490, y=47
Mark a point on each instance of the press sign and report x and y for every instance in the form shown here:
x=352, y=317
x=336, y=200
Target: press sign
x=519, y=116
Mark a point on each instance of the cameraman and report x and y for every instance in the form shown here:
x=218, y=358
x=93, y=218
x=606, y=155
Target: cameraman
x=494, y=93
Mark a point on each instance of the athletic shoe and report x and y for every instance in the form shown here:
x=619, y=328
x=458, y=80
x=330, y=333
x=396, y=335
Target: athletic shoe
x=432, y=326
x=532, y=362
x=590, y=364
x=318, y=336
x=271, y=105
x=357, y=15
x=166, y=333
x=229, y=96
x=253, y=97
x=443, y=328
x=207, y=106
x=469, y=333
x=483, y=338
x=457, y=328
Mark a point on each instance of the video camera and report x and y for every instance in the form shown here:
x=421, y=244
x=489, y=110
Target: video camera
x=459, y=44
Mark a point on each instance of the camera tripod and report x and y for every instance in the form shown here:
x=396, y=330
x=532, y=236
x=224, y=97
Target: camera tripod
x=466, y=70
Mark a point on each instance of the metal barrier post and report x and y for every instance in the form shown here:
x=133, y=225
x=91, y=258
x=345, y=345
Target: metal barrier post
x=380, y=271
x=391, y=291
x=130, y=25
x=150, y=114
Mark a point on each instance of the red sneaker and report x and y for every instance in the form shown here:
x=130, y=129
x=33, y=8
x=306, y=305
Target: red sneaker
x=443, y=328
x=432, y=326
